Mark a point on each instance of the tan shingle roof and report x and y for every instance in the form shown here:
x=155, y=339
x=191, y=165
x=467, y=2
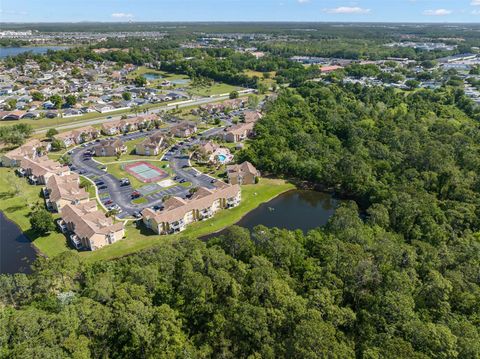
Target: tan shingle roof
x=204, y=199
x=66, y=188
x=88, y=220
x=41, y=166
x=245, y=167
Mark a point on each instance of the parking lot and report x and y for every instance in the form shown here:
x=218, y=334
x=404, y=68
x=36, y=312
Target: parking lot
x=114, y=195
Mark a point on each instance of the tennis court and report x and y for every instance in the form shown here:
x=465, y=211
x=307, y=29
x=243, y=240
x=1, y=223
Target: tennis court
x=145, y=172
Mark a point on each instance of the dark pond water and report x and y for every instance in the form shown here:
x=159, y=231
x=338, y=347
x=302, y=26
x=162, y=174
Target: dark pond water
x=150, y=76
x=304, y=210
x=13, y=51
x=16, y=250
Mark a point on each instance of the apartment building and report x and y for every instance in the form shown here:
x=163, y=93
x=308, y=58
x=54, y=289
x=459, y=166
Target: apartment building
x=203, y=204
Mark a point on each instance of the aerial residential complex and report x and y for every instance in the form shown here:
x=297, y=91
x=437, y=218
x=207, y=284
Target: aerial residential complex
x=177, y=213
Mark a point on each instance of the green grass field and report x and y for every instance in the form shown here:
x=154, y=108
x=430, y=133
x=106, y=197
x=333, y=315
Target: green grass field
x=215, y=89
x=16, y=199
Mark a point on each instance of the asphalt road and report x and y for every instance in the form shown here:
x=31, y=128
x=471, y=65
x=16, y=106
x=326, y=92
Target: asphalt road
x=105, y=119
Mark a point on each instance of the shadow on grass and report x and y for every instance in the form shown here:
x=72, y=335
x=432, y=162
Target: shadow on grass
x=6, y=195
x=14, y=208
x=144, y=230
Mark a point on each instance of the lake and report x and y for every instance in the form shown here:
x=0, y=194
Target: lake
x=16, y=250
x=296, y=209
x=152, y=76
x=13, y=51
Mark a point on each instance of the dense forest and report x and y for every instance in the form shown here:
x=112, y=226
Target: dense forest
x=349, y=290
x=410, y=159
x=396, y=276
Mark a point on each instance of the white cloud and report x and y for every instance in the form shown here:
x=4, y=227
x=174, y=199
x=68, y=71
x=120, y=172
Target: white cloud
x=347, y=10
x=475, y=3
x=475, y=12
x=437, y=12
x=303, y=1
x=121, y=15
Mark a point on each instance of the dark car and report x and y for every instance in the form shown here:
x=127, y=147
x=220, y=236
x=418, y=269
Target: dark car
x=137, y=214
x=135, y=194
x=157, y=208
x=100, y=183
x=102, y=187
x=185, y=166
x=107, y=202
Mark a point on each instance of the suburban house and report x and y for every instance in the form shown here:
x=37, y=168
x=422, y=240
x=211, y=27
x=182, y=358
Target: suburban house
x=184, y=129
x=252, y=116
x=244, y=173
x=13, y=115
x=91, y=228
x=63, y=190
x=127, y=124
x=32, y=149
x=151, y=146
x=109, y=148
x=239, y=132
x=204, y=203
x=78, y=136
x=40, y=169
x=222, y=106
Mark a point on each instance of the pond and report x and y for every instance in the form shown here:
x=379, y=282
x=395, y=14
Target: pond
x=13, y=51
x=152, y=76
x=296, y=209
x=16, y=250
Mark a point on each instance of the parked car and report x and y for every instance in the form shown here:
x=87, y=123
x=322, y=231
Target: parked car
x=103, y=187
x=135, y=194
x=124, y=182
x=137, y=214
x=108, y=202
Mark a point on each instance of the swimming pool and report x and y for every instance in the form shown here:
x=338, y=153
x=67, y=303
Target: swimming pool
x=221, y=158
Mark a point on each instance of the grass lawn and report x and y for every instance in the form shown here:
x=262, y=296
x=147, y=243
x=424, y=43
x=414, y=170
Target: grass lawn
x=89, y=187
x=138, y=239
x=269, y=81
x=16, y=197
x=140, y=200
x=215, y=89
x=212, y=171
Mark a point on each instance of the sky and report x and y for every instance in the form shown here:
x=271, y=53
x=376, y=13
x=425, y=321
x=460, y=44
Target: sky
x=240, y=10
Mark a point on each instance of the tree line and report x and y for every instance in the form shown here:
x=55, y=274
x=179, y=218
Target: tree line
x=349, y=290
